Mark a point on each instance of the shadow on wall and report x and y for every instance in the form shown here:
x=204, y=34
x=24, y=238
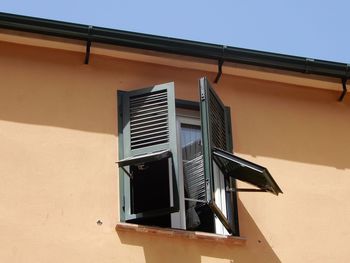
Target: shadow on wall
x=269, y=119
x=159, y=248
x=288, y=122
x=67, y=95
x=55, y=88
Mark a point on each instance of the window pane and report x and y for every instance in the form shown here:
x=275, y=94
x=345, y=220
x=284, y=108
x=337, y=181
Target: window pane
x=191, y=141
x=198, y=214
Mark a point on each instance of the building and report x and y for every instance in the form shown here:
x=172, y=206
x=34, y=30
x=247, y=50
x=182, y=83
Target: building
x=64, y=112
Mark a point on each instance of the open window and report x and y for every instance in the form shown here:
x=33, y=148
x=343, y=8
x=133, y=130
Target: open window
x=178, y=170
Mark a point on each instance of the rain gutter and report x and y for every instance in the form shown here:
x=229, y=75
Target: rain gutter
x=220, y=53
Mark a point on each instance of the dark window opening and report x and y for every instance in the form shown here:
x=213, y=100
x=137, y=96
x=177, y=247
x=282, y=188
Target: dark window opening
x=149, y=189
x=199, y=217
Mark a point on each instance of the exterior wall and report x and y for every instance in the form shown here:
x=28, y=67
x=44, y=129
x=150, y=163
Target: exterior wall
x=58, y=147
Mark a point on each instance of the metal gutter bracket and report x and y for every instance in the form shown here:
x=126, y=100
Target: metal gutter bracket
x=308, y=61
x=218, y=76
x=220, y=63
x=88, y=46
x=344, y=80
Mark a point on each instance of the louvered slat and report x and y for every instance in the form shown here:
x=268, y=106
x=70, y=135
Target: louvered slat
x=194, y=178
x=151, y=124
x=148, y=119
x=217, y=119
x=150, y=97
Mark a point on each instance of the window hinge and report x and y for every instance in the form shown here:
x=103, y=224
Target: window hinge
x=142, y=167
x=202, y=93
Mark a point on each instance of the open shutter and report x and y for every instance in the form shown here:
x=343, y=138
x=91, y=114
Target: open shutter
x=149, y=161
x=215, y=132
x=245, y=171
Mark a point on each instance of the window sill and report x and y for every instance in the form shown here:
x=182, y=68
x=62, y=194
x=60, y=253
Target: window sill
x=176, y=233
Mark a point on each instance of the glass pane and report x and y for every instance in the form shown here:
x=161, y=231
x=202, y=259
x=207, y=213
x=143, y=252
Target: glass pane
x=191, y=141
x=197, y=215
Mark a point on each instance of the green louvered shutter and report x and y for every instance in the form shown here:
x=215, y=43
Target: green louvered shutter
x=149, y=148
x=216, y=133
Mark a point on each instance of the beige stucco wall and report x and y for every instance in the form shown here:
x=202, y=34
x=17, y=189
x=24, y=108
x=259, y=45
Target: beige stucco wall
x=58, y=147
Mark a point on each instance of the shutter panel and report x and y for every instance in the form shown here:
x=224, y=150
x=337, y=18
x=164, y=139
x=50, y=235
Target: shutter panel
x=149, y=130
x=215, y=131
x=245, y=171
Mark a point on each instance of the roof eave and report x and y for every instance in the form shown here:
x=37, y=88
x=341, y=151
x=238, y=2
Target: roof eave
x=175, y=46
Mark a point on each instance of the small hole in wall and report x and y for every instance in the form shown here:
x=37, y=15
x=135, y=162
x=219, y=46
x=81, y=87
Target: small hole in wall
x=99, y=222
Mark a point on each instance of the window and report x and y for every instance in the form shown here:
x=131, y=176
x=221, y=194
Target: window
x=195, y=211
x=176, y=166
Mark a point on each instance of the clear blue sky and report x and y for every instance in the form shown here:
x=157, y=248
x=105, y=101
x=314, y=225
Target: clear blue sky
x=317, y=29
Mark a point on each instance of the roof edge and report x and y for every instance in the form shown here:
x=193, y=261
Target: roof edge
x=174, y=46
